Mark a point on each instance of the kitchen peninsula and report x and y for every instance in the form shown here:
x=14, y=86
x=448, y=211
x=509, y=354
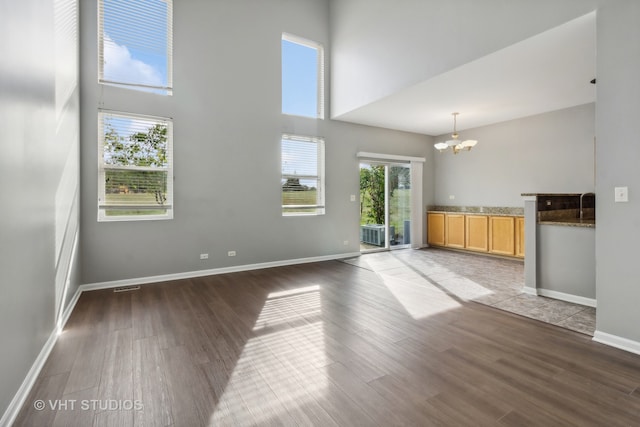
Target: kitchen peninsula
x=560, y=245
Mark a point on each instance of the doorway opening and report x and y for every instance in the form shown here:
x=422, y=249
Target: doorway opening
x=385, y=206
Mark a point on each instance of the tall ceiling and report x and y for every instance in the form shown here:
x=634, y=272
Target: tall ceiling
x=550, y=71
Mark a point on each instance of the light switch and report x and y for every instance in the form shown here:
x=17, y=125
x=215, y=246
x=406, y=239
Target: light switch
x=622, y=194
x=353, y=198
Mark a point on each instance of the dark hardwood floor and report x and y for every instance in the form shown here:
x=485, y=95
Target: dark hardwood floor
x=322, y=344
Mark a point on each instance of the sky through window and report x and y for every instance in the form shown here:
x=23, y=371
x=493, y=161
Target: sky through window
x=136, y=43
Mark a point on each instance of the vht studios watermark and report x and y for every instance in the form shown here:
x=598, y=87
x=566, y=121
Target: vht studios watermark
x=88, y=405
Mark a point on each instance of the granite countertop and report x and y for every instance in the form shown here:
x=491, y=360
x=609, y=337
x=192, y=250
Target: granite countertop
x=478, y=210
x=549, y=194
x=568, y=217
x=571, y=222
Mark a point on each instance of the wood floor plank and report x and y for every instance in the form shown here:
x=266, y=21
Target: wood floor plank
x=116, y=378
x=63, y=354
x=257, y=381
x=225, y=411
x=113, y=419
x=145, y=314
x=191, y=398
x=342, y=409
x=44, y=402
x=118, y=313
x=365, y=397
x=150, y=384
x=88, y=363
x=83, y=413
x=405, y=399
x=530, y=418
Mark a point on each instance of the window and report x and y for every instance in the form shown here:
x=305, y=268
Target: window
x=302, y=77
x=135, y=167
x=302, y=175
x=135, y=44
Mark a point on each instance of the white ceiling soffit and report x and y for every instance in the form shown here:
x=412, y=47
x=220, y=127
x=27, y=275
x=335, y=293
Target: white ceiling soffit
x=547, y=72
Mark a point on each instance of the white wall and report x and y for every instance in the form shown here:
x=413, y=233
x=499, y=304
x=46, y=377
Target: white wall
x=227, y=128
x=618, y=154
x=381, y=47
x=39, y=179
x=546, y=153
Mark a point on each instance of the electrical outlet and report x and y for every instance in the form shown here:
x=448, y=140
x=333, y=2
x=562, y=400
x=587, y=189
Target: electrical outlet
x=451, y=197
x=231, y=253
x=346, y=242
x=621, y=194
x=204, y=256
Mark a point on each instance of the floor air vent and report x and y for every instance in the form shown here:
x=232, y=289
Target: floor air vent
x=126, y=288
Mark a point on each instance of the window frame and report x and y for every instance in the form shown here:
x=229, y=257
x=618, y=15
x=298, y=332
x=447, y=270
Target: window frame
x=320, y=207
x=162, y=90
x=320, y=68
x=102, y=206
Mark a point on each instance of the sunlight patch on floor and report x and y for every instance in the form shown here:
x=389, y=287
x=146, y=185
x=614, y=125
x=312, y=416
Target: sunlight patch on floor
x=418, y=297
x=465, y=288
x=283, y=366
x=288, y=306
x=423, y=289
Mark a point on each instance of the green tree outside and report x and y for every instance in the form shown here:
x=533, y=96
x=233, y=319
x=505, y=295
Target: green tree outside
x=124, y=186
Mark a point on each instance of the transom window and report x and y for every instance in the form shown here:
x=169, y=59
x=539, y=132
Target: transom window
x=302, y=77
x=135, y=44
x=302, y=180
x=135, y=167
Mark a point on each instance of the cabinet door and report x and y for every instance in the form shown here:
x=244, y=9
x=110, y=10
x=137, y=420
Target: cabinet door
x=454, y=230
x=520, y=236
x=502, y=235
x=477, y=233
x=435, y=228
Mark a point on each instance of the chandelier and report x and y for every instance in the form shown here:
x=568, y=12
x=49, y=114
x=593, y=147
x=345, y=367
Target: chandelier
x=454, y=143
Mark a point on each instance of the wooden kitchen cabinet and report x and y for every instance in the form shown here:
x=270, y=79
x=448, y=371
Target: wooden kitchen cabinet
x=454, y=230
x=477, y=233
x=520, y=237
x=435, y=228
x=502, y=235
x=499, y=235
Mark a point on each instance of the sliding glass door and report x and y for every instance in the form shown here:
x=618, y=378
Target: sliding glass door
x=400, y=205
x=385, y=205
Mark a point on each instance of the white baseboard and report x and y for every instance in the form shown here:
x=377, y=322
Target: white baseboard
x=211, y=272
x=67, y=312
x=617, y=342
x=529, y=291
x=9, y=416
x=576, y=299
